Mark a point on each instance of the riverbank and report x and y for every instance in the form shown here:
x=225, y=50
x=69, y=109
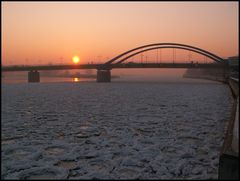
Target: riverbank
x=208, y=74
x=229, y=156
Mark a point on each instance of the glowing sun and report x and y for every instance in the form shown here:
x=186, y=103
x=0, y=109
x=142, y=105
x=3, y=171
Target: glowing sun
x=75, y=59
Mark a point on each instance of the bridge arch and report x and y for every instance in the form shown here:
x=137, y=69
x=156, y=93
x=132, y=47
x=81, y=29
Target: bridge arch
x=165, y=45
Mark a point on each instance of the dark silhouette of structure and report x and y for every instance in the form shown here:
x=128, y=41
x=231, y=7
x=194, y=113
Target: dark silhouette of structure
x=104, y=70
x=33, y=76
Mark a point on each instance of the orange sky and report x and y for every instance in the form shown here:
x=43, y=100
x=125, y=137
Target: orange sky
x=50, y=32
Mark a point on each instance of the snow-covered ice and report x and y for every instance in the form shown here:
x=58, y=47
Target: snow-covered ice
x=118, y=130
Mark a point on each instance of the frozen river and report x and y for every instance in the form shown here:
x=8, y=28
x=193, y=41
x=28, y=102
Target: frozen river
x=118, y=130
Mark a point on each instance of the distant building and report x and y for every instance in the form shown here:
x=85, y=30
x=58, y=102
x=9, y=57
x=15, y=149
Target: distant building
x=233, y=61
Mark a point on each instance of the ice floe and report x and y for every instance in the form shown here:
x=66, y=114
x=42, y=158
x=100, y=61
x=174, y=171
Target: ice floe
x=113, y=131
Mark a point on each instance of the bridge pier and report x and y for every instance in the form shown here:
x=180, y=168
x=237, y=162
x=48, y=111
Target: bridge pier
x=33, y=76
x=103, y=76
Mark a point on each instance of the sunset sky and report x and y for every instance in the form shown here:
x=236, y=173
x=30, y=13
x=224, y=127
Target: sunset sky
x=54, y=32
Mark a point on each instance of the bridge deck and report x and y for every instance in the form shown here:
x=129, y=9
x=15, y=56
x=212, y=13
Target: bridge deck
x=112, y=66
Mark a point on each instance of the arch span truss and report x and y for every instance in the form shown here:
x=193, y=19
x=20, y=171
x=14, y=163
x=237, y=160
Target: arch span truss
x=130, y=53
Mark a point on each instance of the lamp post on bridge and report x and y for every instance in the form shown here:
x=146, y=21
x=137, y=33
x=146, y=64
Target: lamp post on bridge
x=142, y=58
x=189, y=56
x=160, y=58
x=174, y=55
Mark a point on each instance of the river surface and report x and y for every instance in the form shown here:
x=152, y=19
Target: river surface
x=127, y=129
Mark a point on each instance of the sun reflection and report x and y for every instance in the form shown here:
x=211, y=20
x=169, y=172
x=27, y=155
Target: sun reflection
x=76, y=79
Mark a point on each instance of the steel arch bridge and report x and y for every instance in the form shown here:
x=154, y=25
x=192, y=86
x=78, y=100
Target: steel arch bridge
x=104, y=70
x=130, y=53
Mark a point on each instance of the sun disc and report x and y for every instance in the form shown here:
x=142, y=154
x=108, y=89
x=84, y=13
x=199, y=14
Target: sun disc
x=75, y=59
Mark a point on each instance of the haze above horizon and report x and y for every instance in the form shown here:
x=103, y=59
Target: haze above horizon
x=53, y=32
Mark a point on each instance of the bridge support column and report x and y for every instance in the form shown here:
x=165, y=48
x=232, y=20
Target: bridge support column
x=33, y=76
x=103, y=76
